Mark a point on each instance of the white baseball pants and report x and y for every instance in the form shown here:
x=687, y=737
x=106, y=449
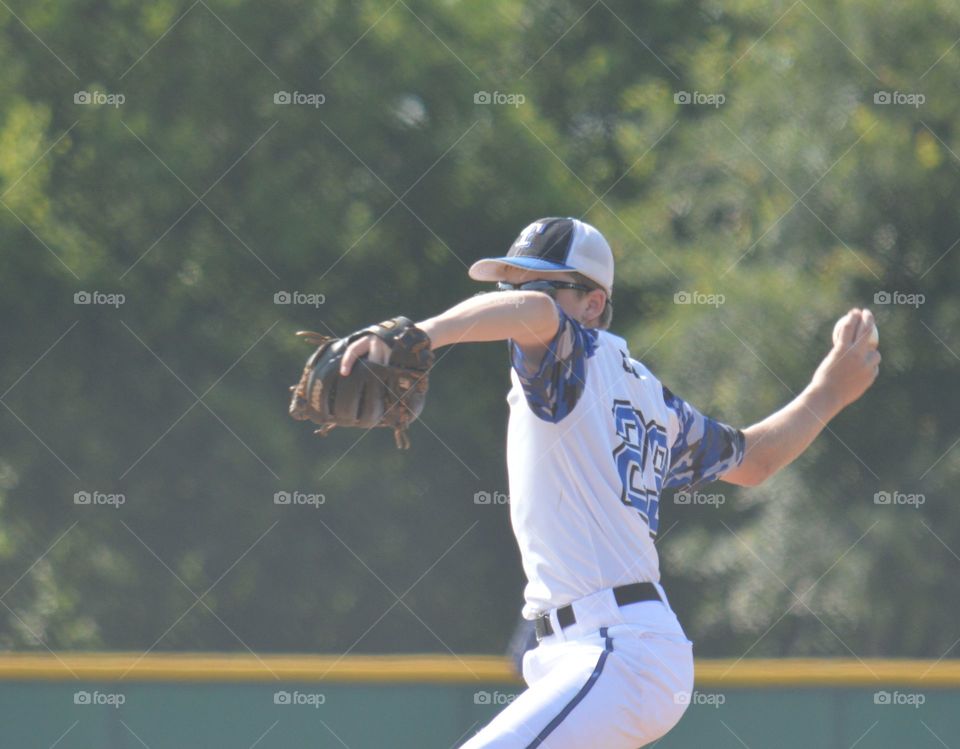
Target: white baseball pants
x=619, y=678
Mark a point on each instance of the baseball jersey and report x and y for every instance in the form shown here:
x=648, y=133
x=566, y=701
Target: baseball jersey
x=593, y=439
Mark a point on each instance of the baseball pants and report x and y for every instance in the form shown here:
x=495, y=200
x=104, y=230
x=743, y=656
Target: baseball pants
x=617, y=686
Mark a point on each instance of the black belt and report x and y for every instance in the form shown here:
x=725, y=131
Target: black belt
x=623, y=594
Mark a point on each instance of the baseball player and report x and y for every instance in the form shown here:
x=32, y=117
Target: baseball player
x=593, y=439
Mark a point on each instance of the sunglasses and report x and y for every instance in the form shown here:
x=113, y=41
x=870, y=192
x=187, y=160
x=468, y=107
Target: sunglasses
x=547, y=287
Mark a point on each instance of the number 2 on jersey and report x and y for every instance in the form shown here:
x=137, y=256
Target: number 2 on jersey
x=641, y=461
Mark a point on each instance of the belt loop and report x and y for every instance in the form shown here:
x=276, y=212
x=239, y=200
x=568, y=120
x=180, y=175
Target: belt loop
x=555, y=623
x=663, y=594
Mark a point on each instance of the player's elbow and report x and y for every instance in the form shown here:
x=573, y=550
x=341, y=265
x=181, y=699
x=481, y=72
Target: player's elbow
x=757, y=465
x=542, y=309
x=537, y=319
x=748, y=473
x=757, y=477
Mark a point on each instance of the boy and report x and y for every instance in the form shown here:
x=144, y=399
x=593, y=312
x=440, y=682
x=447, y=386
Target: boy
x=593, y=439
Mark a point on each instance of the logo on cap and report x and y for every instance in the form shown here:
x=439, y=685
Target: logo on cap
x=526, y=238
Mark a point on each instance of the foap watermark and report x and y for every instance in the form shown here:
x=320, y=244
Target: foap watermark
x=300, y=699
x=110, y=699
x=299, y=297
x=502, y=297
x=698, y=297
x=99, y=499
x=698, y=498
x=491, y=498
x=500, y=98
x=915, y=100
x=299, y=98
x=299, y=498
x=99, y=98
x=100, y=298
x=899, y=498
x=483, y=697
x=899, y=297
x=910, y=699
x=700, y=99
x=711, y=699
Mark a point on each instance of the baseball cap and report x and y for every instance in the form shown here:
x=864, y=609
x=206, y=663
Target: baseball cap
x=554, y=245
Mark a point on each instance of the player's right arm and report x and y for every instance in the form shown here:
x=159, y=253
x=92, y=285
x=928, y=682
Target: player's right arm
x=842, y=377
x=530, y=318
x=706, y=449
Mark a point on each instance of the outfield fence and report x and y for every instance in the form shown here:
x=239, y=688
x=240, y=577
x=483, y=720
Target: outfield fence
x=186, y=700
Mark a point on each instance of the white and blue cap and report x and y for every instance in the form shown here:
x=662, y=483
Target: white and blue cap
x=554, y=245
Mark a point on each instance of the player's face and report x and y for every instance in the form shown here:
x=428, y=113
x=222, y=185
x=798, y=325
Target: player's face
x=584, y=308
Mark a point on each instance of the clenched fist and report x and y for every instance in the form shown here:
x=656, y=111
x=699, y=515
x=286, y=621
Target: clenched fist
x=854, y=361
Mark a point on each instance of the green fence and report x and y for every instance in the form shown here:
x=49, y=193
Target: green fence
x=193, y=702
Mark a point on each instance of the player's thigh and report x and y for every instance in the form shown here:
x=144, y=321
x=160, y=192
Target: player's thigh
x=600, y=695
x=557, y=674
x=656, y=675
x=639, y=695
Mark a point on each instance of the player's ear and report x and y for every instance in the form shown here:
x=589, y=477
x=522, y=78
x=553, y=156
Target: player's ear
x=595, y=304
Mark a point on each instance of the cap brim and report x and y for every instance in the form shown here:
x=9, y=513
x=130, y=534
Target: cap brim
x=494, y=268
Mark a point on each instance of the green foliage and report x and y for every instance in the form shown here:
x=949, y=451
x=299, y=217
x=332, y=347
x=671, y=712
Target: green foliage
x=199, y=198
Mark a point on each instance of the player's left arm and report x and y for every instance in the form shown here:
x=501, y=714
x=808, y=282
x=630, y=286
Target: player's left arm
x=529, y=318
x=842, y=377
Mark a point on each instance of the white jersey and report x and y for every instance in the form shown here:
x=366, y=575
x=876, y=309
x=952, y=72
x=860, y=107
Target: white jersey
x=593, y=439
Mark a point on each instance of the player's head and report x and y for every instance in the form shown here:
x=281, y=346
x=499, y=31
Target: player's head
x=560, y=249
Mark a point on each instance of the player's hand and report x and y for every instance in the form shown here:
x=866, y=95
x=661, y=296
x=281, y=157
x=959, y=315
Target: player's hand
x=373, y=347
x=853, y=363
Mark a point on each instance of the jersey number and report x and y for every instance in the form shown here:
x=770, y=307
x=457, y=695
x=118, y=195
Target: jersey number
x=641, y=461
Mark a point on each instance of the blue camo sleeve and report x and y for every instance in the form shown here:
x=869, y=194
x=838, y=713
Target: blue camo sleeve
x=704, y=448
x=554, y=387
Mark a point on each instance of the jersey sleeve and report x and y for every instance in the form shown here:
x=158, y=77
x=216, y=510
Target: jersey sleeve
x=554, y=386
x=703, y=450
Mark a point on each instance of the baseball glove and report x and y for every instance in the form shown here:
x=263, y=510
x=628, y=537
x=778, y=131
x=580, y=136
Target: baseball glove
x=372, y=395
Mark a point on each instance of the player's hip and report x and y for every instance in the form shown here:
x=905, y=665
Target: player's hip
x=642, y=605
x=639, y=657
x=618, y=688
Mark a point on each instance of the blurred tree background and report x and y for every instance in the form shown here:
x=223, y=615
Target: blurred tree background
x=777, y=156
